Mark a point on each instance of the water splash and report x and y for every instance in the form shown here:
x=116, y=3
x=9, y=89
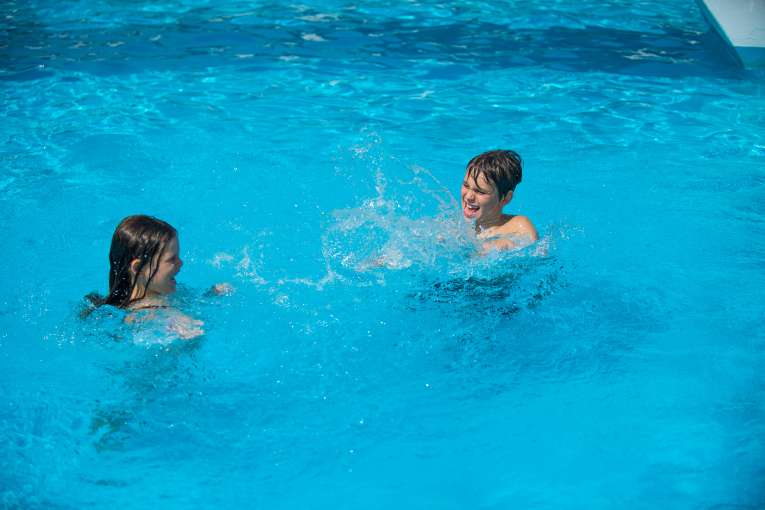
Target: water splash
x=385, y=232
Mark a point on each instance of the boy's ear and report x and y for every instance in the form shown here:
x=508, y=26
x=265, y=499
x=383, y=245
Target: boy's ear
x=507, y=198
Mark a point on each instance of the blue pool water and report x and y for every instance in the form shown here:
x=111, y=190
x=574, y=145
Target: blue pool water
x=289, y=144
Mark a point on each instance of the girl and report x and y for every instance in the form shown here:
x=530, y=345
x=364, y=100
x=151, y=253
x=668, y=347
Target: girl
x=143, y=262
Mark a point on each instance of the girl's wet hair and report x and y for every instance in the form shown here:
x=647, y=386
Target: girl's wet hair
x=500, y=167
x=142, y=238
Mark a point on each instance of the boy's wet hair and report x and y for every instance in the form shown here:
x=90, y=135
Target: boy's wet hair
x=500, y=167
x=137, y=237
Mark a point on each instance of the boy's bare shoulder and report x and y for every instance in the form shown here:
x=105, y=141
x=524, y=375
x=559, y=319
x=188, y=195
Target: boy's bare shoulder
x=516, y=232
x=518, y=226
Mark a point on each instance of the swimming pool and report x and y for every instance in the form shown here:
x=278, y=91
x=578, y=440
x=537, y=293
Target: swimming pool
x=288, y=144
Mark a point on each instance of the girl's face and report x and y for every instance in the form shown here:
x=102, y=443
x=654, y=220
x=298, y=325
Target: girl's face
x=168, y=266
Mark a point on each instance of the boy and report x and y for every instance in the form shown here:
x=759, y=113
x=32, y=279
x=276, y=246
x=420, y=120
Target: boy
x=488, y=186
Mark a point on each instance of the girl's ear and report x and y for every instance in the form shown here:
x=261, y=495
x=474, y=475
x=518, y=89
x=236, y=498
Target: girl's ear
x=134, y=266
x=507, y=198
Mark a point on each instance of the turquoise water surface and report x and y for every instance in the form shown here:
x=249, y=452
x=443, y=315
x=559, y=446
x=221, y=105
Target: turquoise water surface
x=618, y=365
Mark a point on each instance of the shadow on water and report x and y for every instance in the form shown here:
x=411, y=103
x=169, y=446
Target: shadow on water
x=522, y=284
x=267, y=35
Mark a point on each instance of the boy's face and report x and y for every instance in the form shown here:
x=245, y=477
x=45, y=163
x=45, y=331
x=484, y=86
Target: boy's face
x=480, y=200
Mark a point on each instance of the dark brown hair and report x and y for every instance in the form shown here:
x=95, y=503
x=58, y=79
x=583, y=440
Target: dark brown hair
x=500, y=167
x=141, y=238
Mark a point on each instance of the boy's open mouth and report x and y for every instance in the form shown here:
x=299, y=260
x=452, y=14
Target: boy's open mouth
x=469, y=210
